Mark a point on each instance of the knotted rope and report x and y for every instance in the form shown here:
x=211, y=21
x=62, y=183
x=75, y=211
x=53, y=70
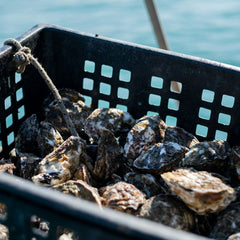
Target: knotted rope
x=22, y=58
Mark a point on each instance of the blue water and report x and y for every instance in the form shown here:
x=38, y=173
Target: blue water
x=208, y=29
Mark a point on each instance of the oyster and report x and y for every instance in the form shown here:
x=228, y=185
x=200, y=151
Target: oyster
x=109, y=155
x=227, y=222
x=235, y=236
x=122, y=196
x=4, y=234
x=61, y=164
x=208, y=156
x=201, y=192
x=26, y=139
x=6, y=166
x=82, y=173
x=112, y=119
x=168, y=210
x=147, y=131
x=161, y=157
x=48, y=138
x=75, y=105
x=146, y=183
x=80, y=189
x=235, y=161
x=180, y=136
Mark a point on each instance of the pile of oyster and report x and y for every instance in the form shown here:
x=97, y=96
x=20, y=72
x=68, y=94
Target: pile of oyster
x=138, y=166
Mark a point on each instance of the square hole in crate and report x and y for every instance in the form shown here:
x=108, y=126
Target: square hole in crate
x=106, y=71
x=88, y=84
x=207, y=95
x=176, y=87
x=10, y=138
x=124, y=75
x=7, y=102
x=227, y=101
x=89, y=66
x=19, y=94
x=154, y=100
x=9, y=120
x=171, y=121
x=88, y=100
x=123, y=93
x=39, y=226
x=204, y=113
x=18, y=77
x=21, y=112
x=105, y=88
x=151, y=113
x=122, y=107
x=103, y=104
x=173, y=104
x=221, y=135
x=224, y=119
x=201, y=130
x=157, y=82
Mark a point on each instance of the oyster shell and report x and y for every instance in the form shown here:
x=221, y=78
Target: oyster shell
x=61, y=164
x=26, y=139
x=109, y=155
x=227, y=222
x=201, y=192
x=80, y=189
x=48, y=138
x=235, y=236
x=235, y=161
x=76, y=107
x=146, y=183
x=122, y=196
x=4, y=234
x=112, y=119
x=6, y=166
x=147, y=131
x=208, y=156
x=160, y=157
x=168, y=210
x=180, y=136
x=82, y=173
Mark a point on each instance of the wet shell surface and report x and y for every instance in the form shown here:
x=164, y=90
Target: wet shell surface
x=161, y=157
x=80, y=189
x=207, y=156
x=48, y=138
x=147, y=131
x=109, y=155
x=145, y=182
x=168, y=210
x=26, y=139
x=112, y=119
x=180, y=136
x=122, y=196
x=201, y=192
x=77, y=109
x=60, y=165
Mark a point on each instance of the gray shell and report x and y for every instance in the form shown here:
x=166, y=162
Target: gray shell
x=147, y=131
x=168, y=210
x=161, y=157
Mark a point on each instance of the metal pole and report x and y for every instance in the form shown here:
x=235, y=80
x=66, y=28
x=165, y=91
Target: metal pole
x=158, y=29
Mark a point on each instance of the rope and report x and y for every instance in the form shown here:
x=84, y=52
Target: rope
x=22, y=58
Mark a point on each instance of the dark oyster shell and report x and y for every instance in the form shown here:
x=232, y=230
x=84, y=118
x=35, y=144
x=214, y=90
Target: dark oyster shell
x=200, y=191
x=26, y=139
x=82, y=173
x=208, y=156
x=180, y=136
x=227, y=222
x=112, y=119
x=147, y=131
x=168, y=210
x=60, y=165
x=161, y=157
x=109, y=155
x=74, y=103
x=145, y=182
x=123, y=197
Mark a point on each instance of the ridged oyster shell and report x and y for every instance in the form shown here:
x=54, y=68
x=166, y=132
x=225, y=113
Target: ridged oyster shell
x=61, y=164
x=201, y=192
x=161, y=157
x=168, y=210
x=147, y=131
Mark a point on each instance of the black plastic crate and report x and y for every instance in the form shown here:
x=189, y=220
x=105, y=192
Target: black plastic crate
x=109, y=73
